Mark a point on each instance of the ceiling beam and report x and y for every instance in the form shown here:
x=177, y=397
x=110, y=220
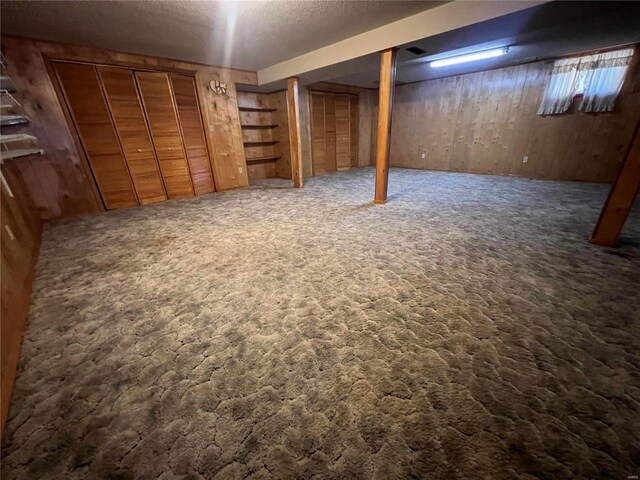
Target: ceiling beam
x=444, y=18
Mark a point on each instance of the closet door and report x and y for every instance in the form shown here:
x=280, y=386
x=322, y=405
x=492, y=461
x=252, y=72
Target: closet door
x=353, y=110
x=83, y=93
x=343, y=131
x=158, y=105
x=330, y=132
x=184, y=90
x=318, y=138
x=126, y=111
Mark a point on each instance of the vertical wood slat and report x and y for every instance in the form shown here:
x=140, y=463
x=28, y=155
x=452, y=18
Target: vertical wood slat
x=193, y=134
x=159, y=107
x=83, y=94
x=385, y=107
x=621, y=197
x=122, y=97
x=293, y=108
x=343, y=131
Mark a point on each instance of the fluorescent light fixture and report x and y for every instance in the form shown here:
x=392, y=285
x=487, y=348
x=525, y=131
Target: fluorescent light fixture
x=470, y=57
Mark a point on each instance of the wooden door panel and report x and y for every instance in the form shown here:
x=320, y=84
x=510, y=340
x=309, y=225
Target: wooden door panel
x=122, y=96
x=190, y=122
x=84, y=97
x=343, y=128
x=158, y=104
x=353, y=133
x=318, y=136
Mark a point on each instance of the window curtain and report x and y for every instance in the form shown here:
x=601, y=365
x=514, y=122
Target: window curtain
x=605, y=75
x=558, y=95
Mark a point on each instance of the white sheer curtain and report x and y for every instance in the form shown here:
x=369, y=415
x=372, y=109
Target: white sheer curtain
x=605, y=75
x=558, y=95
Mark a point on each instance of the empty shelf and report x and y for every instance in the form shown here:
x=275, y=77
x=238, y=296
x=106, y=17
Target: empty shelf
x=258, y=127
x=20, y=153
x=251, y=161
x=19, y=137
x=8, y=120
x=256, y=109
x=260, y=144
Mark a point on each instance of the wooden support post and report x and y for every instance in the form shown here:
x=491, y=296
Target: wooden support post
x=295, y=146
x=621, y=197
x=385, y=107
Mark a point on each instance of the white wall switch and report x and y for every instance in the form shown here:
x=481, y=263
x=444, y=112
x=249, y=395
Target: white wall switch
x=525, y=159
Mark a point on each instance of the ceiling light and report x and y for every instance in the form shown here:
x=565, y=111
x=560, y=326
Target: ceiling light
x=470, y=57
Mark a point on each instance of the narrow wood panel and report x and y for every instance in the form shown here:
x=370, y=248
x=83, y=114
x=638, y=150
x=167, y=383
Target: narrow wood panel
x=318, y=135
x=84, y=96
x=621, y=198
x=385, y=108
x=158, y=104
x=279, y=116
x=131, y=127
x=343, y=131
x=487, y=122
x=330, y=132
x=20, y=242
x=193, y=133
x=293, y=117
x=354, y=129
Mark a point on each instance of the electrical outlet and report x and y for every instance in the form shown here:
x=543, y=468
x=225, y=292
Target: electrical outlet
x=424, y=155
x=240, y=169
x=525, y=159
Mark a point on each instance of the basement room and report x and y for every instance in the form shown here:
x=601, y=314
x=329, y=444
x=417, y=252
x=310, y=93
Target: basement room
x=331, y=239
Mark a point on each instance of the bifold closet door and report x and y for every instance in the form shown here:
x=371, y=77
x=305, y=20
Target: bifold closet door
x=343, y=131
x=318, y=135
x=122, y=96
x=158, y=105
x=184, y=91
x=84, y=97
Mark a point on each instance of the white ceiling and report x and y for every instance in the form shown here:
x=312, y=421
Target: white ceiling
x=242, y=34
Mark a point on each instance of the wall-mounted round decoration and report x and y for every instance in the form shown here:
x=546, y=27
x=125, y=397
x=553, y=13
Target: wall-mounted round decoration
x=218, y=87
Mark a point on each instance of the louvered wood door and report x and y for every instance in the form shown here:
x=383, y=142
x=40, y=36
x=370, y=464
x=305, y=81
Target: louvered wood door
x=158, y=105
x=131, y=126
x=330, y=132
x=184, y=90
x=342, y=131
x=86, y=102
x=318, y=137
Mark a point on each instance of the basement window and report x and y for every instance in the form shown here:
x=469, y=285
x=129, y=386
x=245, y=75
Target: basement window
x=598, y=78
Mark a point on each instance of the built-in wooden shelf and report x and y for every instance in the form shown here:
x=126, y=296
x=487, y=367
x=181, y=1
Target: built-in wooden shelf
x=261, y=144
x=258, y=127
x=256, y=109
x=251, y=161
x=20, y=153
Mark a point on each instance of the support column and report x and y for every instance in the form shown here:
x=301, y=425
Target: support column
x=621, y=197
x=385, y=107
x=295, y=145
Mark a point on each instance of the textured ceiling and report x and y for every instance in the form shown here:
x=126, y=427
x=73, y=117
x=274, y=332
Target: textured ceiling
x=242, y=34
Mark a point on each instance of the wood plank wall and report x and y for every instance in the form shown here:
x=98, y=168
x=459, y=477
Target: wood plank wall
x=59, y=181
x=20, y=237
x=486, y=122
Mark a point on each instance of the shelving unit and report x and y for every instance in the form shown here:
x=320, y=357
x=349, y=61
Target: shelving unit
x=12, y=114
x=260, y=119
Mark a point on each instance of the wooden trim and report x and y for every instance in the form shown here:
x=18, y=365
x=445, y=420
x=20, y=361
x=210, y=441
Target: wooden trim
x=207, y=133
x=295, y=145
x=385, y=108
x=621, y=197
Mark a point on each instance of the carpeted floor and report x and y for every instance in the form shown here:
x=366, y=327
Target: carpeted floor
x=463, y=330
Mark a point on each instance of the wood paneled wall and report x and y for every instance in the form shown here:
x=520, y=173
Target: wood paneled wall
x=59, y=181
x=486, y=122
x=20, y=237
